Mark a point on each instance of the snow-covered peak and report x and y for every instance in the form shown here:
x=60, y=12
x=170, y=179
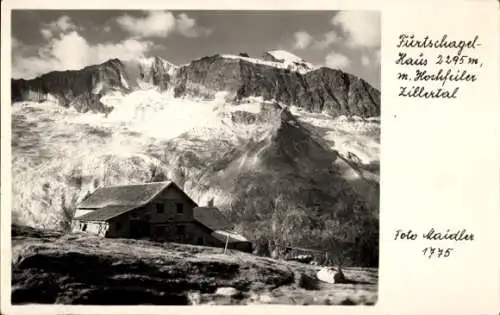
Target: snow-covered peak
x=289, y=60
x=285, y=56
x=278, y=59
x=149, y=62
x=146, y=61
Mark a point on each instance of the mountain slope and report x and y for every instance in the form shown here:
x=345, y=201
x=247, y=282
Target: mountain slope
x=254, y=160
x=222, y=129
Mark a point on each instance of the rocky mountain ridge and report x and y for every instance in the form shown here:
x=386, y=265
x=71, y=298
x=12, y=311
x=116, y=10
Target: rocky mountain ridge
x=295, y=82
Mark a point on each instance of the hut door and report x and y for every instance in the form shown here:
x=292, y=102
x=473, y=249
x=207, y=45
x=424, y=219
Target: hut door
x=139, y=229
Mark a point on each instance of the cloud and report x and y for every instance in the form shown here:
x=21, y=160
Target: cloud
x=337, y=61
x=161, y=24
x=365, y=60
x=155, y=24
x=362, y=28
x=66, y=49
x=62, y=25
x=187, y=27
x=328, y=39
x=46, y=33
x=371, y=58
x=302, y=40
x=70, y=52
x=124, y=50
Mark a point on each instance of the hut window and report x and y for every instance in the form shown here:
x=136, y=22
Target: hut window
x=118, y=225
x=179, y=207
x=84, y=227
x=160, y=208
x=200, y=240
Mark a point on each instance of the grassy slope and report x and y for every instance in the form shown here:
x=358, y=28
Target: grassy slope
x=49, y=267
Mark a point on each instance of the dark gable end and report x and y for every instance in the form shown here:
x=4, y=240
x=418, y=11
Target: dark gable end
x=174, y=186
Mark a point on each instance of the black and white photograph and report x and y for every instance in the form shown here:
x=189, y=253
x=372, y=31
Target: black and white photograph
x=195, y=157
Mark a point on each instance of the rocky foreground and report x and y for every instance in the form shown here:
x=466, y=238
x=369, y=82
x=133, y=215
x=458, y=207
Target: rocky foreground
x=51, y=267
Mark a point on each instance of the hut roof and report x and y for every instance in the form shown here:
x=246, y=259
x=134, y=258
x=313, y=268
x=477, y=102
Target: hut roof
x=126, y=195
x=105, y=213
x=212, y=218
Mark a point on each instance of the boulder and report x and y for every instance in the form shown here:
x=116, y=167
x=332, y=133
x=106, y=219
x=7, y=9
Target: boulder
x=326, y=274
x=194, y=297
x=339, y=276
x=308, y=282
x=226, y=291
x=265, y=298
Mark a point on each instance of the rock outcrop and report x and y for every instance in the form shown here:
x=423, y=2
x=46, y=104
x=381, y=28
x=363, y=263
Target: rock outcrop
x=83, y=89
x=149, y=72
x=324, y=89
x=51, y=268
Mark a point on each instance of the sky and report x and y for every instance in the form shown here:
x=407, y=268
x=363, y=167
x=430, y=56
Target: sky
x=48, y=40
